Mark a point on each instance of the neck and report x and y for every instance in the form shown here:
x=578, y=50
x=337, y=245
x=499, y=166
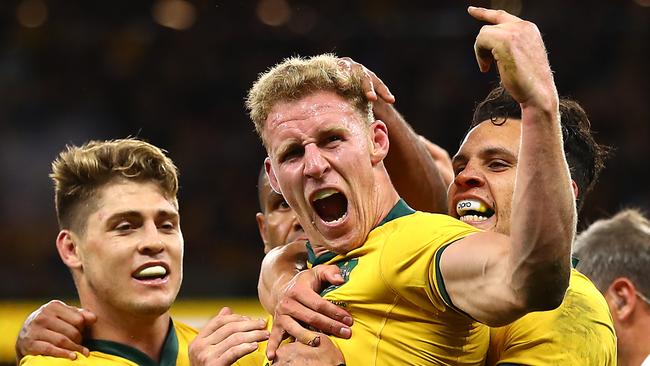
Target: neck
x=634, y=341
x=384, y=198
x=145, y=333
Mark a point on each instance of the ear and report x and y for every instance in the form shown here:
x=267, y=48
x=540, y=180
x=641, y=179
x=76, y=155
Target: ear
x=379, y=140
x=261, y=226
x=621, y=295
x=576, y=191
x=67, y=246
x=273, y=181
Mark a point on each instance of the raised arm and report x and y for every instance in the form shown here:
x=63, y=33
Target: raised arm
x=411, y=167
x=496, y=278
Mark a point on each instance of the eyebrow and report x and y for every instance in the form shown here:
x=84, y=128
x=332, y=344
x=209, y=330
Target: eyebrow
x=488, y=151
x=133, y=214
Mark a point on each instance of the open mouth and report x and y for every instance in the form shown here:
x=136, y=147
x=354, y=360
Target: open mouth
x=330, y=205
x=151, y=272
x=473, y=210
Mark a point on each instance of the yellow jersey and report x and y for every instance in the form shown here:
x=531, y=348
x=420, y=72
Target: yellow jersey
x=579, y=332
x=394, y=291
x=107, y=353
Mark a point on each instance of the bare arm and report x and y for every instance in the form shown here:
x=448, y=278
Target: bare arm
x=54, y=329
x=412, y=169
x=529, y=270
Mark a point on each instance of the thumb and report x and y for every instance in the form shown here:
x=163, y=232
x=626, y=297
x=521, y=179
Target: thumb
x=329, y=273
x=225, y=311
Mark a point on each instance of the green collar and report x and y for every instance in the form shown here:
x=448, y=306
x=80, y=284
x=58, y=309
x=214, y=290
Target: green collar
x=167, y=356
x=400, y=209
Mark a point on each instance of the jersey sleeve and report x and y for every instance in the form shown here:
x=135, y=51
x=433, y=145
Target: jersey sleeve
x=411, y=256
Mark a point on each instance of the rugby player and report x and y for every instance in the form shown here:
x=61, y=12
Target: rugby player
x=327, y=162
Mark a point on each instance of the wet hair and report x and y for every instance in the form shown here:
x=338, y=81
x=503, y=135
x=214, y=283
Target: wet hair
x=583, y=154
x=297, y=77
x=80, y=171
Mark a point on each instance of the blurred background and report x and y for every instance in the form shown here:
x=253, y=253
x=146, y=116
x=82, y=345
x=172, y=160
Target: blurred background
x=175, y=72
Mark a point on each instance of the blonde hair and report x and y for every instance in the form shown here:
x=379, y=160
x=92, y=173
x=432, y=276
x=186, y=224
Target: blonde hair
x=296, y=77
x=78, y=173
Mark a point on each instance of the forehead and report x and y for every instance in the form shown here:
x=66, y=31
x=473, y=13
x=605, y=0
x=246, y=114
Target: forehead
x=312, y=109
x=488, y=135
x=132, y=196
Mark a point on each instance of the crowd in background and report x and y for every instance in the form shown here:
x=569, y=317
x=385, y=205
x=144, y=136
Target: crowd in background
x=108, y=70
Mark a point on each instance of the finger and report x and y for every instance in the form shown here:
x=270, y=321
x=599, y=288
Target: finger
x=225, y=311
x=307, y=306
x=381, y=89
x=328, y=273
x=483, y=57
x=367, y=85
x=234, y=328
x=234, y=353
x=296, y=330
x=54, y=344
x=319, y=314
x=275, y=338
x=224, y=317
x=56, y=312
x=89, y=317
x=491, y=15
x=489, y=41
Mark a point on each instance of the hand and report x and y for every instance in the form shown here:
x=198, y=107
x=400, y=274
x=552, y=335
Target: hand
x=516, y=46
x=299, y=302
x=441, y=158
x=372, y=85
x=54, y=329
x=295, y=353
x=226, y=338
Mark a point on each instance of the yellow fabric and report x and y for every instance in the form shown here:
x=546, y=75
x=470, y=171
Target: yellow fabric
x=399, y=314
x=184, y=334
x=579, y=332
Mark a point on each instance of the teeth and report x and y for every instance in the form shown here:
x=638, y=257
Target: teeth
x=155, y=271
x=470, y=205
x=472, y=218
x=325, y=193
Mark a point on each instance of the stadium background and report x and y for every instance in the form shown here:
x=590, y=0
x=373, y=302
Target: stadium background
x=175, y=73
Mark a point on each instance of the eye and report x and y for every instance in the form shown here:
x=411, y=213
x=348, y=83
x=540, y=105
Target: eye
x=498, y=165
x=291, y=153
x=332, y=140
x=168, y=225
x=123, y=226
x=458, y=169
x=279, y=204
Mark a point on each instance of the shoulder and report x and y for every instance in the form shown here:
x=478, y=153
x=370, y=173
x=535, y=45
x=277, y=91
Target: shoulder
x=47, y=360
x=424, y=227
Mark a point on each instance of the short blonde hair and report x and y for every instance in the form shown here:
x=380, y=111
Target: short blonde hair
x=79, y=171
x=296, y=77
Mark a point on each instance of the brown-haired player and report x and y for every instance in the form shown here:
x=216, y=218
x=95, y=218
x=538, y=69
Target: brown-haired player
x=121, y=239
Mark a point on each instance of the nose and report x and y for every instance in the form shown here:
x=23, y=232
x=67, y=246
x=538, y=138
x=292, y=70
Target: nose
x=152, y=242
x=315, y=164
x=469, y=177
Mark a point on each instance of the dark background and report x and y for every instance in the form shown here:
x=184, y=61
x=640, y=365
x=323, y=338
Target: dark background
x=77, y=70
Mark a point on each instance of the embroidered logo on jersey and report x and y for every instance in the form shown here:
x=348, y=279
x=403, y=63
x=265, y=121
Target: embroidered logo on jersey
x=346, y=267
